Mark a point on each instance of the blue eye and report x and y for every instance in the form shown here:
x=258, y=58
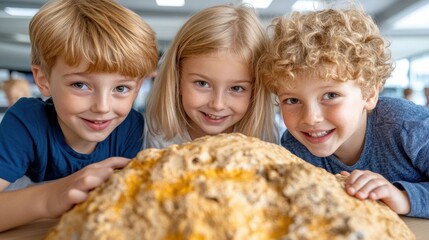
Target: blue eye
x=122, y=89
x=202, y=84
x=80, y=85
x=330, y=95
x=290, y=101
x=237, y=89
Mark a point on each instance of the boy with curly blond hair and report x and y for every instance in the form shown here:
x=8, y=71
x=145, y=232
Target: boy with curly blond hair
x=327, y=68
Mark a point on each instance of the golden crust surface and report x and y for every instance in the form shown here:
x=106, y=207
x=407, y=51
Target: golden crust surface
x=227, y=186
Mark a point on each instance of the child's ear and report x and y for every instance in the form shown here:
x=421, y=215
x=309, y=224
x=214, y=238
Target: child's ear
x=41, y=80
x=372, y=98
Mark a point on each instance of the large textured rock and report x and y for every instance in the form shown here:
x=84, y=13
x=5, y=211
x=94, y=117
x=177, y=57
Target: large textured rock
x=226, y=187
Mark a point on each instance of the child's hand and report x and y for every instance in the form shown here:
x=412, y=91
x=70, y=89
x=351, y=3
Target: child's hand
x=367, y=184
x=62, y=194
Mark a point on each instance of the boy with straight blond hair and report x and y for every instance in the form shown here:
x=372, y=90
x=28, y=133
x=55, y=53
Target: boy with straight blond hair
x=327, y=68
x=89, y=59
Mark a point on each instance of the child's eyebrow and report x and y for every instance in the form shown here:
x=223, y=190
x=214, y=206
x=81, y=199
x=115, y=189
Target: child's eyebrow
x=88, y=76
x=128, y=79
x=283, y=94
x=198, y=75
x=242, y=81
x=74, y=74
x=211, y=78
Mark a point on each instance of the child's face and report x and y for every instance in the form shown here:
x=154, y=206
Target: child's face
x=215, y=91
x=328, y=117
x=89, y=105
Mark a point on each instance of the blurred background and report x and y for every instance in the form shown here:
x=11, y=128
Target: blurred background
x=405, y=23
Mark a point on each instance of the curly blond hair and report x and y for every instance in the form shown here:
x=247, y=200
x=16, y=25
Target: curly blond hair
x=338, y=44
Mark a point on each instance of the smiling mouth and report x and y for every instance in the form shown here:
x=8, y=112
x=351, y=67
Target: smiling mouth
x=318, y=134
x=98, y=122
x=214, y=117
x=97, y=125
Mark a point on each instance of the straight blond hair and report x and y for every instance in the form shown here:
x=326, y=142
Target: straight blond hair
x=236, y=30
x=109, y=36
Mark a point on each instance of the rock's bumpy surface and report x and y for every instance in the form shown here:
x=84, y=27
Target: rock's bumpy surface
x=226, y=187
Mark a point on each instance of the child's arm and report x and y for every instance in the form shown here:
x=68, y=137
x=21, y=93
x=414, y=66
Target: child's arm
x=365, y=184
x=52, y=199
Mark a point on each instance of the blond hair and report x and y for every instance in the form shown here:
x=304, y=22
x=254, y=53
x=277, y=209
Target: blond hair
x=16, y=88
x=339, y=44
x=236, y=30
x=110, y=37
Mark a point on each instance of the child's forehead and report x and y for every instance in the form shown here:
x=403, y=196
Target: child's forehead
x=218, y=56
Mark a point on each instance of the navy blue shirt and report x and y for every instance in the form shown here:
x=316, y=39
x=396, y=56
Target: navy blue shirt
x=396, y=146
x=32, y=143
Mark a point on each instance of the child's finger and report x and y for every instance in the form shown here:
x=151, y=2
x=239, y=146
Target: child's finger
x=77, y=196
x=353, y=177
x=92, y=178
x=357, y=181
x=365, y=191
x=381, y=192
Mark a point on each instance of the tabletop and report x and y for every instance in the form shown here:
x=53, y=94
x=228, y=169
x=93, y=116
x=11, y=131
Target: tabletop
x=37, y=230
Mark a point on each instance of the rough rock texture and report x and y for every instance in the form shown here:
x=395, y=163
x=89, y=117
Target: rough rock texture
x=226, y=187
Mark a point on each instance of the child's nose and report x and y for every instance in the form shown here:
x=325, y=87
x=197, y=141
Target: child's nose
x=217, y=101
x=312, y=114
x=101, y=103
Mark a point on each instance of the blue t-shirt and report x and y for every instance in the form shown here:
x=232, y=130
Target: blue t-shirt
x=396, y=146
x=32, y=143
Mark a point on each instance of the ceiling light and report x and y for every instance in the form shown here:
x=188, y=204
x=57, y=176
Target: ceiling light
x=258, y=3
x=170, y=3
x=306, y=5
x=23, y=12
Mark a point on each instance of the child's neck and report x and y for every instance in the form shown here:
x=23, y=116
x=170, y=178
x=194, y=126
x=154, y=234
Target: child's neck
x=194, y=133
x=349, y=158
x=84, y=148
x=350, y=151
